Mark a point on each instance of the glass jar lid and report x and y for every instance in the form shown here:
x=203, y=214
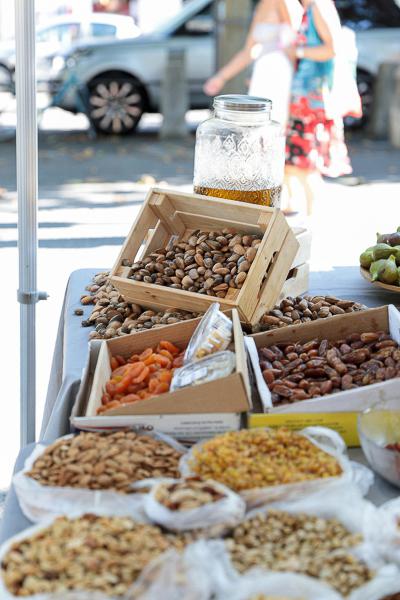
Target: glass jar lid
x=242, y=103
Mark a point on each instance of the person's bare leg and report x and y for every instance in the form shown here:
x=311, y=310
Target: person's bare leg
x=313, y=187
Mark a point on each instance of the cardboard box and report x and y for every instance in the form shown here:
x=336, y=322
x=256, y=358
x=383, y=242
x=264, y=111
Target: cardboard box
x=191, y=413
x=167, y=214
x=340, y=410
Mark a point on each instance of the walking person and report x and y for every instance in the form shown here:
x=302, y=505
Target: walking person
x=315, y=142
x=272, y=29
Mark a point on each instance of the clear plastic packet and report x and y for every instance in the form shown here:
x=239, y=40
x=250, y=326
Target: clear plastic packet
x=206, y=369
x=227, y=511
x=213, y=334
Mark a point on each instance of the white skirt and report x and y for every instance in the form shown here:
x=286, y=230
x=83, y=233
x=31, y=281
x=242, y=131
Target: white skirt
x=272, y=79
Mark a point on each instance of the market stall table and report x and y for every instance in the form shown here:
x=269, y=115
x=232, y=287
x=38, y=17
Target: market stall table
x=71, y=352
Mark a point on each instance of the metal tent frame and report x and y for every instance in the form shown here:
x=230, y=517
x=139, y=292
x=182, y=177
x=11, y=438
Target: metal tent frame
x=27, y=190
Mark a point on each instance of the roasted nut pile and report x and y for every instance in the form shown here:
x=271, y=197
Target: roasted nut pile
x=295, y=372
x=140, y=377
x=255, y=458
x=207, y=263
x=88, y=553
x=187, y=494
x=112, y=316
x=299, y=543
x=292, y=311
x=101, y=461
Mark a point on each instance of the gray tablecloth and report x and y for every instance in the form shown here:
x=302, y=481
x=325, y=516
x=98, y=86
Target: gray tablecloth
x=71, y=352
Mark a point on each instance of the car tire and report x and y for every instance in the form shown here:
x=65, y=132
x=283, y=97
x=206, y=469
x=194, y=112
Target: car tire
x=365, y=84
x=116, y=103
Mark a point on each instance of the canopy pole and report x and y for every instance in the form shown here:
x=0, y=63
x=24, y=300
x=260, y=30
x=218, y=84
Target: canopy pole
x=27, y=178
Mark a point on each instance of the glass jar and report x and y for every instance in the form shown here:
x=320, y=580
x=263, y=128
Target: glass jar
x=240, y=152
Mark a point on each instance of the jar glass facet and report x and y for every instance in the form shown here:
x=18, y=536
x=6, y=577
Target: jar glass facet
x=240, y=152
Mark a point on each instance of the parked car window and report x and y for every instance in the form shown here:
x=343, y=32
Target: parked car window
x=64, y=33
x=368, y=14
x=102, y=30
x=201, y=24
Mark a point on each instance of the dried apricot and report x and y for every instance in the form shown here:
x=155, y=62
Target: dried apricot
x=146, y=353
x=114, y=364
x=129, y=398
x=142, y=375
x=167, y=354
x=165, y=345
x=162, y=388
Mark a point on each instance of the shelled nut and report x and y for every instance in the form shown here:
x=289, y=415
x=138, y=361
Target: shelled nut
x=105, y=461
x=299, y=543
x=296, y=372
x=187, y=494
x=87, y=553
x=207, y=263
x=292, y=311
x=256, y=458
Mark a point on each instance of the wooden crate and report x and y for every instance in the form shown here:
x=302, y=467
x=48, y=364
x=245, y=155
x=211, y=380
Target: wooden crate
x=166, y=213
x=189, y=413
x=339, y=410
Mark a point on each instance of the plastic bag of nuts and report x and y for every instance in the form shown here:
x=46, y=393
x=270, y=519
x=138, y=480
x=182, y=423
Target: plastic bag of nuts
x=193, y=503
x=94, y=469
x=93, y=551
x=321, y=536
x=265, y=465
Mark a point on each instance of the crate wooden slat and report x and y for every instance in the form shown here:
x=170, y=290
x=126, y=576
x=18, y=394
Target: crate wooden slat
x=168, y=213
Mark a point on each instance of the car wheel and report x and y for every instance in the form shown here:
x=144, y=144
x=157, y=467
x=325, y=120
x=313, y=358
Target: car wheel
x=365, y=84
x=116, y=104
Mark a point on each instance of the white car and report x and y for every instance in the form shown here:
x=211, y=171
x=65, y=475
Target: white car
x=56, y=35
x=114, y=82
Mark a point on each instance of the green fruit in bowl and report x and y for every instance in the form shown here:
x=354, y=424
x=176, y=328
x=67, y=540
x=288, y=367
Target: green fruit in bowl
x=367, y=258
x=382, y=251
x=376, y=267
x=389, y=273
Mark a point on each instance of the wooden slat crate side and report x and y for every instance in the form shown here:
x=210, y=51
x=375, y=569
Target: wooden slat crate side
x=217, y=207
x=195, y=221
x=272, y=242
x=297, y=284
x=166, y=297
x=276, y=277
x=304, y=237
x=144, y=221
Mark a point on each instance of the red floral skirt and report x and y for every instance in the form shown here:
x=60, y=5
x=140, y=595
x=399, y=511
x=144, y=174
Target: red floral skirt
x=315, y=142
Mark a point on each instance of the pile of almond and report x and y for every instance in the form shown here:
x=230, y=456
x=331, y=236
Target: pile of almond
x=105, y=461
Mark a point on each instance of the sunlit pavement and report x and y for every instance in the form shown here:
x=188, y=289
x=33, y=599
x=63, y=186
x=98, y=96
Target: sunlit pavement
x=91, y=190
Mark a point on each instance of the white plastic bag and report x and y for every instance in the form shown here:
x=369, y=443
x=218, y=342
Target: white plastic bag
x=228, y=511
x=327, y=440
x=382, y=530
x=288, y=585
x=354, y=512
x=197, y=573
x=39, y=501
